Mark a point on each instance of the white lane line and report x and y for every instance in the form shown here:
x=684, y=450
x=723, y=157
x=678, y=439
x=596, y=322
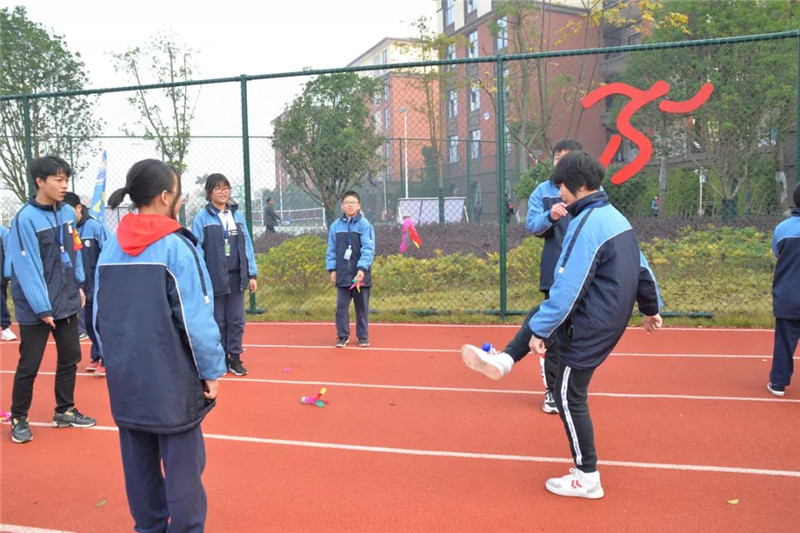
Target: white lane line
x=8, y=528
x=484, y=456
x=477, y=390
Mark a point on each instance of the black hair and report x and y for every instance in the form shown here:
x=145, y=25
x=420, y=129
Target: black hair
x=270, y=198
x=145, y=180
x=49, y=165
x=570, y=145
x=212, y=181
x=796, y=195
x=72, y=199
x=577, y=169
x=353, y=194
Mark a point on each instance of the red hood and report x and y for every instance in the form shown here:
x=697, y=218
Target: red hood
x=137, y=232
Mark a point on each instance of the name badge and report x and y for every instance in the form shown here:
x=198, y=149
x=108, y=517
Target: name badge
x=348, y=253
x=227, y=248
x=65, y=260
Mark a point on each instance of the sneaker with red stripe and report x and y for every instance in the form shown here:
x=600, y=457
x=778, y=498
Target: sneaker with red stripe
x=577, y=484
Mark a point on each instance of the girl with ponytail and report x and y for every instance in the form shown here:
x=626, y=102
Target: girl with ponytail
x=154, y=318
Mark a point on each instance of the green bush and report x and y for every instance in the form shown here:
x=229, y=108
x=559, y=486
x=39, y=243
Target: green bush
x=297, y=263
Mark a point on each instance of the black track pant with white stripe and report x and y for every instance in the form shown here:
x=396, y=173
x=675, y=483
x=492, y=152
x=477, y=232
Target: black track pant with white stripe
x=571, y=397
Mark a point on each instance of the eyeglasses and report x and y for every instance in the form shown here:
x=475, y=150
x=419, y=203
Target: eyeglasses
x=222, y=189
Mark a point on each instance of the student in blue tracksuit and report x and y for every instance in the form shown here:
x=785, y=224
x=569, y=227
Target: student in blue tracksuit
x=599, y=276
x=46, y=278
x=5, y=315
x=93, y=236
x=351, y=248
x=547, y=219
x=221, y=232
x=154, y=319
x=786, y=298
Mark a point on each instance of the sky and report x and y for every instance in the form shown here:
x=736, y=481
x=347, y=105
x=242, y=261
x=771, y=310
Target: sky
x=230, y=38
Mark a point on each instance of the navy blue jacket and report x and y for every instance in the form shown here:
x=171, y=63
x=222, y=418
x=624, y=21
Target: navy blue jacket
x=538, y=222
x=93, y=236
x=786, y=281
x=600, y=275
x=207, y=229
x=154, y=316
x=357, y=234
x=6, y=266
x=41, y=284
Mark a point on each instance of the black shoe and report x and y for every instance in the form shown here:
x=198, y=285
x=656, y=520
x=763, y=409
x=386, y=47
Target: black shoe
x=73, y=418
x=776, y=390
x=235, y=367
x=20, y=430
x=363, y=342
x=341, y=342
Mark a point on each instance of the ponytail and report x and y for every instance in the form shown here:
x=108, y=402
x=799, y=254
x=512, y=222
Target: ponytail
x=116, y=197
x=145, y=180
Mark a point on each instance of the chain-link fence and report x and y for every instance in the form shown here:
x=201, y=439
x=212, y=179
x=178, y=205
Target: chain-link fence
x=699, y=139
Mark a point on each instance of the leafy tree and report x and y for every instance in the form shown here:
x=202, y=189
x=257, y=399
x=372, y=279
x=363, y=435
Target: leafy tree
x=33, y=60
x=326, y=138
x=751, y=110
x=167, y=113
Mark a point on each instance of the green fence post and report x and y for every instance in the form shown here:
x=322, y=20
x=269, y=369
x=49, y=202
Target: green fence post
x=501, y=183
x=469, y=196
x=26, y=110
x=248, y=202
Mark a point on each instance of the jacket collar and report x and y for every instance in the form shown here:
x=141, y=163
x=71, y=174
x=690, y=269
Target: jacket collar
x=232, y=207
x=796, y=211
x=84, y=217
x=596, y=199
x=355, y=218
x=45, y=207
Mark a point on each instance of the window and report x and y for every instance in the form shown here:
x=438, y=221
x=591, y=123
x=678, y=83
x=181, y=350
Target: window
x=472, y=5
x=387, y=149
x=452, y=103
x=453, y=148
x=448, y=12
x=475, y=144
x=509, y=144
x=501, y=40
x=450, y=54
x=472, y=46
x=386, y=92
x=387, y=121
x=474, y=98
x=506, y=88
x=378, y=122
x=385, y=57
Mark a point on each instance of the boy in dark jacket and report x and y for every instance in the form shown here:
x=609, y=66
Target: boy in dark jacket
x=599, y=276
x=786, y=298
x=93, y=236
x=47, y=274
x=351, y=248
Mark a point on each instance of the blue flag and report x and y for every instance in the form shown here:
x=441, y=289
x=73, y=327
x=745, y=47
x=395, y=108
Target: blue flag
x=98, y=207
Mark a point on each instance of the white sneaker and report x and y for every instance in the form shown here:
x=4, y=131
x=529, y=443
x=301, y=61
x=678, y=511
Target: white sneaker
x=8, y=335
x=493, y=364
x=549, y=405
x=576, y=484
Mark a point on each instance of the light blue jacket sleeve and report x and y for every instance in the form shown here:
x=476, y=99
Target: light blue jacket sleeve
x=538, y=220
x=26, y=261
x=367, y=245
x=197, y=228
x=569, y=284
x=330, y=255
x=198, y=312
x=252, y=268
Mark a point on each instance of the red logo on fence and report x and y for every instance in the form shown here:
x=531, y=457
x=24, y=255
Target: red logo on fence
x=638, y=99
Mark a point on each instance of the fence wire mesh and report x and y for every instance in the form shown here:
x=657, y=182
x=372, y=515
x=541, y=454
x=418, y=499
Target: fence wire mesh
x=709, y=179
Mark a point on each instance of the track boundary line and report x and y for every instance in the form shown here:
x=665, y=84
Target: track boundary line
x=474, y=455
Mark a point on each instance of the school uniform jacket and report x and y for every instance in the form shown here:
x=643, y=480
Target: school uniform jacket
x=41, y=284
x=786, y=282
x=599, y=276
x=357, y=234
x=93, y=236
x=3, y=255
x=207, y=229
x=538, y=222
x=154, y=317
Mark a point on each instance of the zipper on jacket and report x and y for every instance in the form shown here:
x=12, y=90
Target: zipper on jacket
x=199, y=268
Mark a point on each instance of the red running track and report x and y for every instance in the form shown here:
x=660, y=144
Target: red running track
x=412, y=440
